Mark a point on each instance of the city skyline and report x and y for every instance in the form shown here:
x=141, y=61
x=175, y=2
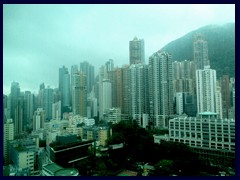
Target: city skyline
x=37, y=44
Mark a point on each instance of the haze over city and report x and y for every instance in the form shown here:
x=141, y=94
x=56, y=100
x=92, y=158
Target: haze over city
x=39, y=39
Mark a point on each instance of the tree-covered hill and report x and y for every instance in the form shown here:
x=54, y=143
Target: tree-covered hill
x=221, y=47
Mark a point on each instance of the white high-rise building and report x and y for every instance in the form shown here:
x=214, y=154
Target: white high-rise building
x=106, y=94
x=105, y=88
x=206, y=90
x=39, y=118
x=160, y=88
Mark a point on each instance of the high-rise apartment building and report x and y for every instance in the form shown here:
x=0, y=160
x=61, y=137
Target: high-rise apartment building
x=64, y=87
x=88, y=70
x=139, y=91
x=161, y=88
x=79, y=94
x=125, y=91
x=106, y=95
x=39, y=118
x=74, y=69
x=47, y=102
x=115, y=76
x=136, y=51
x=225, y=90
x=206, y=90
x=200, y=52
x=219, y=108
x=40, y=95
x=56, y=110
x=8, y=135
x=28, y=107
x=19, y=125
x=14, y=95
x=105, y=88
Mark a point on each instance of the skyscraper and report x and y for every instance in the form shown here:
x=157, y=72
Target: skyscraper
x=136, y=51
x=19, y=125
x=105, y=88
x=115, y=77
x=200, y=52
x=15, y=93
x=28, y=107
x=125, y=91
x=79, y=94
x=225, y=90
x=139, y=96
x=206, y=90
x=47, y=102
x=64, y=87
x=161, y=88
x=88, y=70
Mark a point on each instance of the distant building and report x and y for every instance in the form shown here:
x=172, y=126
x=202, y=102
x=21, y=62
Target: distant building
x=64, y=87
x=200, y=52
x=88, y=70
x=112, y=115
x=14, y=95
x=39, y=119
x=56, y=110
x=79, y=94
x=136, y=51
x=28, y=108
x=125, y=91
x=225, y=91
x=47, y=102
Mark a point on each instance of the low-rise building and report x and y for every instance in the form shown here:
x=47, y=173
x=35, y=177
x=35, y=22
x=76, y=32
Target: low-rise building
x=212, y=138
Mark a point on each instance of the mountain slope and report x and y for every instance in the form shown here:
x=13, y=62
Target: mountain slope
x=221, y=47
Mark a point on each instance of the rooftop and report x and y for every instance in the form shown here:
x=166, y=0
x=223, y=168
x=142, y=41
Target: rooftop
x=66, y=172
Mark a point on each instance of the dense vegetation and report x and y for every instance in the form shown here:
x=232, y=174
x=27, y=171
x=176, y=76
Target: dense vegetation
x=221, y=47
x=168, y=158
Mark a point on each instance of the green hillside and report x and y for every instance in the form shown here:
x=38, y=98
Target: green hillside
x=221, y=47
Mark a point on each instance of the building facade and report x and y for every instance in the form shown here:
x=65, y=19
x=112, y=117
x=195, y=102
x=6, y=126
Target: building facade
x=136, y=51
x=160, y=88
x=212, y=138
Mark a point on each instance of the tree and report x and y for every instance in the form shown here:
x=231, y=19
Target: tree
x=164, y=167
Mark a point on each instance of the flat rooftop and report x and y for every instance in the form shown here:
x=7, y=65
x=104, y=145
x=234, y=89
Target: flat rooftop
x=67, y=172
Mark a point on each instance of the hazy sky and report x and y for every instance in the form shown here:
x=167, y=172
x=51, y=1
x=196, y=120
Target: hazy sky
x=38, y=39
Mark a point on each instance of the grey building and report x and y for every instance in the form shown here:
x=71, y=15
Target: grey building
x=136, y=51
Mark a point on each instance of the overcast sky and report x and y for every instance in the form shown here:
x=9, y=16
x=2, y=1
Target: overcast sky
x=39, y=39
